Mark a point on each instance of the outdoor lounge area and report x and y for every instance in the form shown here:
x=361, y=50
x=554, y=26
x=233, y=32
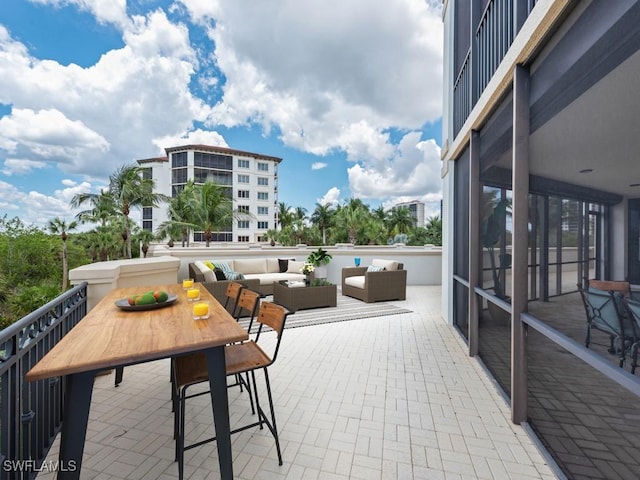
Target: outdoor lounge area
x=386, y=397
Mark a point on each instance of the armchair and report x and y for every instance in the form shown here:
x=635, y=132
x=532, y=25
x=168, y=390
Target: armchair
x=368, y=286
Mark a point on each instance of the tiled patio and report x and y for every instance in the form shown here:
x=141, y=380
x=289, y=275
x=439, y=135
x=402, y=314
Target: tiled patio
x=391, y=397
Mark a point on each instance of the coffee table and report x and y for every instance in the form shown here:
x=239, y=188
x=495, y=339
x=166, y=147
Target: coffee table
x=297, y=296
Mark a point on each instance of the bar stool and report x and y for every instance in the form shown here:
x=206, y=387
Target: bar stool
x=246, y=357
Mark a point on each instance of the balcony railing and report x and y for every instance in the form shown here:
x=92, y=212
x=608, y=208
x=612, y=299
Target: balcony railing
x=31, y=413
x=493, y=36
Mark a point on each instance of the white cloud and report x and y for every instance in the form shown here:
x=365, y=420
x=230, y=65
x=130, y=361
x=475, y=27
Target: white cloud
x=332, y=197
x=195, y=137
x=129, y=97
x=413, y=170
x=316, y=69
x=21, y=166
x=105, y=11
x=318, y=165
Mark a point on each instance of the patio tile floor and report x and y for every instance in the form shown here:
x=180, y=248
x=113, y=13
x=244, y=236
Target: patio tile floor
x=393, y=397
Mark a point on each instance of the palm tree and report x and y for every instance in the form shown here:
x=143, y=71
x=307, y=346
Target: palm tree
x=285, y=217
x=321, y=217
x=58, y=226
x=130, y=190
x=213, y=210
x=145, y=237
x=401, y=220
x=181, y=217
x=353, y=216
x=102, y=207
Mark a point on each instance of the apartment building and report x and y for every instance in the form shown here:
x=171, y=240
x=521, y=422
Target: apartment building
x=250, y=179
x=541, y=186
x=416, y=208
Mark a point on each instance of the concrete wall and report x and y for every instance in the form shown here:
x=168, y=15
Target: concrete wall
x=423, y=264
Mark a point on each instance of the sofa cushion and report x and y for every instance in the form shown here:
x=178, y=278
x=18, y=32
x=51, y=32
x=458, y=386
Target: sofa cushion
x=355, y=281
x=234, y=275
x=206, y=272
x=295, y=266
x=386, y=264
x=270, y=278
x=273, y=265
x=374, y=268
x=250, y=265
x=223, y=265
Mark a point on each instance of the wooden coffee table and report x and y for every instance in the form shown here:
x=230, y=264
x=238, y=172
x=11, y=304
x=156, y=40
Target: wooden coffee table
x=298, y=296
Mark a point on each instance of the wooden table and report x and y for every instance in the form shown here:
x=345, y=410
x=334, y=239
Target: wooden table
x=109, y=337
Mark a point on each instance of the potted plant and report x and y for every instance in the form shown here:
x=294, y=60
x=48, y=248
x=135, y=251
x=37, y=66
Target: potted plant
x=492, y=231
x=320, y=258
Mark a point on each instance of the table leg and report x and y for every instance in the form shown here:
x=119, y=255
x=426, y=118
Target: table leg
x=220, y=403
x=79, y=388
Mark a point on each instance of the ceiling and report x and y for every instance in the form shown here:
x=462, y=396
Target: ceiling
x=599, y=131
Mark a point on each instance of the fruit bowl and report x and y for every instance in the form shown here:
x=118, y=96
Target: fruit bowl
x=123, y=304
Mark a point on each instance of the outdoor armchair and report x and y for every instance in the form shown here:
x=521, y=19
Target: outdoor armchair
x=375, y=286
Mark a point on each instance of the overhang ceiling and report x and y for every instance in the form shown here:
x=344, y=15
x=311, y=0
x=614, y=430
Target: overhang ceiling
x=599, y=131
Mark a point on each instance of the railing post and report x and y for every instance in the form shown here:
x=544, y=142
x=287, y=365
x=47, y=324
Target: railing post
x=475, y=247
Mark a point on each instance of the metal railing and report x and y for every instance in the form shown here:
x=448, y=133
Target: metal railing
x=31, y=412
x=494, y=35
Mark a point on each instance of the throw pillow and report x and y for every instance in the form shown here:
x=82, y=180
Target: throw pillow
x=224, y=266
x=374, y=268
x=294, y=266
x=234, y=275
x=219, y=274
x=283, y=264
x=209, y=264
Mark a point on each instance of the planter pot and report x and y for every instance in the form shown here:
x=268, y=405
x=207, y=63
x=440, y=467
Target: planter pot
x=320, y=272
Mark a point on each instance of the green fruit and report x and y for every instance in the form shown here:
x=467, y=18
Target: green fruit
x=146, y=299
x=160, y=296
x=132, y=299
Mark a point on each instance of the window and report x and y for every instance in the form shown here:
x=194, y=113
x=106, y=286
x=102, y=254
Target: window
x=243, y=208
x=243, y=193
x=263, y=225
x=243, y=223
x=147, y=213
x=178, y=159
x=147, y=225
x=263, y=167
x=179, y=175
x=243, y=163
x=243, y=178
x=212, y=160
x=263, y=181
x=243, y=238
x=263, y=210
x=263, y=195
x=147, y=173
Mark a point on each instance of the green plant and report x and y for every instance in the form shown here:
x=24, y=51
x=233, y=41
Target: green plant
x=319, y=257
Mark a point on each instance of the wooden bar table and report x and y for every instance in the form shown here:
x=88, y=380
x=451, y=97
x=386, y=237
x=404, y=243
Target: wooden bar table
x=109, y=337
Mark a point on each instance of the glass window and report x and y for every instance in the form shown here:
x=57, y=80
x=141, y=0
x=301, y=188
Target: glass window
x=179, y=175
x=212, y=160
x=263, y=195
x=263, y=225
x=263, y=167
x=263, y=210
x=214, y=176
x=243, y=178
x=243, y=193
x=263, y=181
x=243, y=238
x=243, y=223
x=147, y=173
x=147, y=213
x=243, y=208
x=178, y=159
x=243, y=163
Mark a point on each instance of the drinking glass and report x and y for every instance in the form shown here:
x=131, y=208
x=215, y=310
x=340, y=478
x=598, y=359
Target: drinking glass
x=193, y=294
x=357, y=261
x=200, y=310
x=187, y=283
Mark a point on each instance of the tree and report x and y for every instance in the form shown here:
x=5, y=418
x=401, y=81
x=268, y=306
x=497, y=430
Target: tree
x=58, y=226
x=285, y=217
x=321, y=217
x=181, y=215
x=400, y=220
x=144, y=238
x=102, y=207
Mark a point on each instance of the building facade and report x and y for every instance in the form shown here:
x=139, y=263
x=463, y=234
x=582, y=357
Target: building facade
x=541, y=187
x=417, y=211
x=250, y=180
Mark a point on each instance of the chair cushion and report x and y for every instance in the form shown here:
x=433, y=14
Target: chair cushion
x=250, y=265
x=355, y=281
x=374, y=268
x=273, y=266
x=386, y=264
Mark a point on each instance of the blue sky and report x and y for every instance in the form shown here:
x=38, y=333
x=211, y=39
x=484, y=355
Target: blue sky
x=347, y=93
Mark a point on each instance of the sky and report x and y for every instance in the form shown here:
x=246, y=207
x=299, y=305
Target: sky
x=347, y=93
